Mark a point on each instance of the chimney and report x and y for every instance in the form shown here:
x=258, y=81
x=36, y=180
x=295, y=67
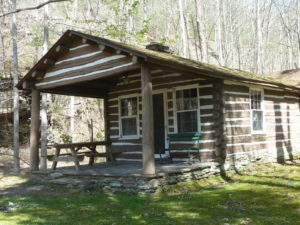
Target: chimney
x=159, y=47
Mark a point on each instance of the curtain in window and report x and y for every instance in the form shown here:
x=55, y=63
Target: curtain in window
x=129, y=116
x=187, y=109
x=257, y=112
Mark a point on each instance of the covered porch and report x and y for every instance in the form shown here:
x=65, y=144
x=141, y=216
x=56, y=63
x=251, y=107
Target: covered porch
x=57, y=73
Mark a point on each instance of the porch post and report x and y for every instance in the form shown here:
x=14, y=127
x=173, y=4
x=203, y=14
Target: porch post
x=147, y=120
x=106, y=119
x=34, y=130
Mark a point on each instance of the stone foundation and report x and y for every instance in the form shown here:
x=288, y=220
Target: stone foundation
x=155, y=183
x=139, y=183
x=239, y=161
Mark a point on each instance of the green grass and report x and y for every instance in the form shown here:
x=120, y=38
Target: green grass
x=261, y=195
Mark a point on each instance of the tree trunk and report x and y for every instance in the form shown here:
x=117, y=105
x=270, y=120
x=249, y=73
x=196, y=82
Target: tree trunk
x=2, y=55
x=44, y=121
x=15, y=90
x=145, y=11
x=75, y=9
x=259, y=48
x=34, y=130
x=219, y=34
x=129, y=11
x=298, y=33
x=201, y=30
x=183, y=29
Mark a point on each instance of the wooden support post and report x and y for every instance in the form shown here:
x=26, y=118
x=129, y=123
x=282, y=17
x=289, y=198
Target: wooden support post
x=76, y=161
x=106, y=127
x=147, y=120
x=34, y=130
x=106, y=119
x=57, y=152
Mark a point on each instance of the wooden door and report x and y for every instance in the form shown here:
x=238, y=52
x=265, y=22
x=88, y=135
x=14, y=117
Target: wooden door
x=159, y=122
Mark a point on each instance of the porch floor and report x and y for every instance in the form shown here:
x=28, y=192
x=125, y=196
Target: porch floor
x=126, y=168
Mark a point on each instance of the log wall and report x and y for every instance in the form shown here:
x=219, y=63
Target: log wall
x=281, y=118
x=165, y=82
x=281, y=136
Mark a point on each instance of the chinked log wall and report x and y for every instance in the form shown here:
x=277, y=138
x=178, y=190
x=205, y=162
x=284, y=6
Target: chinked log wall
x=281, y=137
x=165, y=81
x=281, y=110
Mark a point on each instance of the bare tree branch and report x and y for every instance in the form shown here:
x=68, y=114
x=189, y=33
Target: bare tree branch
x=33, y=8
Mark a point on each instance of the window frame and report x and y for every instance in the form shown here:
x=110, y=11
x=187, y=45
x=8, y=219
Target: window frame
x=137, y=135
x=187, y=87
x=262, y=110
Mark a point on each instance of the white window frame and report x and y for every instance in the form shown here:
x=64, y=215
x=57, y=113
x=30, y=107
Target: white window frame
x=262, y=109
x=137, y=135
x=196, y=86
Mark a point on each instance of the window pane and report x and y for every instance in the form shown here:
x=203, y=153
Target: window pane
x=257, y=120
x=186, y=99
x=129, y=126
x=255, y=99
x=129, y=106
x=187, y=121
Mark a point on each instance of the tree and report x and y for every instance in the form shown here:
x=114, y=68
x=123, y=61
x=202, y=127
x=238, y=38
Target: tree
x=15, y=90
x=218, y=33
x=203, y=42
x=43, y=112
x=259, y=36
x=184, y=40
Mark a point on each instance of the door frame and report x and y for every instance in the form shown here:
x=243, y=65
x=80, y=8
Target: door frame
x=164, y=93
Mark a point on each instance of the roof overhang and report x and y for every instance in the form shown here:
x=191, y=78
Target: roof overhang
x=152, y=57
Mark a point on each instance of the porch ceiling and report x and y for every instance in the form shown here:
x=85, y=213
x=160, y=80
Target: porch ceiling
x=79, y=67
x=97, y=88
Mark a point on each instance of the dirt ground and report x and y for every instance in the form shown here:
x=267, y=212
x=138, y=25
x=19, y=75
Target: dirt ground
x=14, y=184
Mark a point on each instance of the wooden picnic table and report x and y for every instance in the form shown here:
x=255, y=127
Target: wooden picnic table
x=76, y=155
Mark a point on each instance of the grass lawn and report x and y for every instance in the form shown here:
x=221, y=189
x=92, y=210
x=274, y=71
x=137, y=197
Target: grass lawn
x=261, y=195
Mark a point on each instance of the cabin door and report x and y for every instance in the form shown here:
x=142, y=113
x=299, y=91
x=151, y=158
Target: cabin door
x=159, y=122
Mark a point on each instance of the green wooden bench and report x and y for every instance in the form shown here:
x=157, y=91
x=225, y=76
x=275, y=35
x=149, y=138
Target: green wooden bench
x=193, y=137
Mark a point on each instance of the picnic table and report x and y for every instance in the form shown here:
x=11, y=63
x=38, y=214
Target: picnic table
x=78, y=155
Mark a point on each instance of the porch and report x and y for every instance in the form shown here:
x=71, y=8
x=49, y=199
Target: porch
x=126, y=168
x=127, y=176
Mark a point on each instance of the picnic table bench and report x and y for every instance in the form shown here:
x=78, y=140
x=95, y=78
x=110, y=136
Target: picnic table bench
x=76, y=155
x=192, y=137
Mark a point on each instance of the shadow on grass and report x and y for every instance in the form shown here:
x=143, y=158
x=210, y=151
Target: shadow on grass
x=237, y=203
x=277, y=177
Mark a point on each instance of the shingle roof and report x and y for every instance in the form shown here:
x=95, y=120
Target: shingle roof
x=176, y=61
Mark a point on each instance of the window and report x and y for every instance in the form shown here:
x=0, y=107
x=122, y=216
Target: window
x=187, y=110
x=256, y=110
x=129, y=117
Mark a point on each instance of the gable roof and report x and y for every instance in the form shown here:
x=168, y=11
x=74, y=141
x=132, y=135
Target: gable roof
x=166, y=59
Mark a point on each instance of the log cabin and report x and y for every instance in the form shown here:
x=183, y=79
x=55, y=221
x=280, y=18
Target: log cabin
x=150, y=94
